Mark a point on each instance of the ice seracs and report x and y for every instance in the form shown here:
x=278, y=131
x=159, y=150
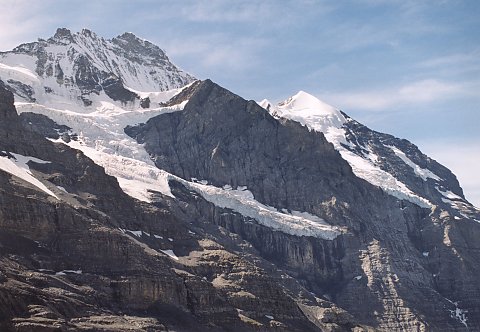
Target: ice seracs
x=243, y=202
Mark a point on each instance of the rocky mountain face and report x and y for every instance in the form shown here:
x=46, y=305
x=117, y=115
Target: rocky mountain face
x=82, y=255
x=85, y=68
x=201, y=211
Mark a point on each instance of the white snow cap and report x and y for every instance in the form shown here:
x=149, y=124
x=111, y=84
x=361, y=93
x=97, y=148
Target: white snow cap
x=312, y=112
x=321, y=117
x=303, y=100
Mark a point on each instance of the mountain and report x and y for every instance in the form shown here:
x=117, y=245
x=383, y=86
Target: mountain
x=135, y=197
x=84, y=68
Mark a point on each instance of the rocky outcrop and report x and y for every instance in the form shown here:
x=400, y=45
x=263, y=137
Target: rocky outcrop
x=92, y=258
x=381, y=145
x=383, y=260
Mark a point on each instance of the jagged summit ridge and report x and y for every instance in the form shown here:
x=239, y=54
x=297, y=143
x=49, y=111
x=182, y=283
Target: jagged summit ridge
x=80, y=66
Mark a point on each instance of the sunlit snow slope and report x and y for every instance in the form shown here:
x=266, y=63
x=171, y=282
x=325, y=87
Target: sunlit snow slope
x=362, y=155
x=86, y=69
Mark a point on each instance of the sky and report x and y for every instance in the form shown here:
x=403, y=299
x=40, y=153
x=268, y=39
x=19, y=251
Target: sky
x=410, y=68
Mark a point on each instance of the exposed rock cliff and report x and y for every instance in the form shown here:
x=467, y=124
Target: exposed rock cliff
x=386, y=259
x=89, y=257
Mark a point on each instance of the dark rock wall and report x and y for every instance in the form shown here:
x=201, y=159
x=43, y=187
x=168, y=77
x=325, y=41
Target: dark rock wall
x=70, y=264
x=377, y=270
x=364, y=137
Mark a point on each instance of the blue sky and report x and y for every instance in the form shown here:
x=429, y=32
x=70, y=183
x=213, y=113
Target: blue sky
x=409, y=68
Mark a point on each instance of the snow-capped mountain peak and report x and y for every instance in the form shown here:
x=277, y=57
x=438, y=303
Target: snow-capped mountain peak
x=311, y=111
x=63, y=35
x=82, y=66
x=395, y=165
x=303, y=100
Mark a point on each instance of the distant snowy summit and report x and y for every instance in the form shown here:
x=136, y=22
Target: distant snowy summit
x=83, y=67
x=395, y=165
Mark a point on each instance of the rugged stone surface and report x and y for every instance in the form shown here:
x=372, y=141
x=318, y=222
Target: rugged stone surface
x=391, y=256
x=94, y=258
x=45, y=126
x=380, y=144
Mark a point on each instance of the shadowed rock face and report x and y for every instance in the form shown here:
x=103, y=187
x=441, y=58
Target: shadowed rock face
x=224, y=139
x=380, y=144
x=94, y=259
x=381, y=261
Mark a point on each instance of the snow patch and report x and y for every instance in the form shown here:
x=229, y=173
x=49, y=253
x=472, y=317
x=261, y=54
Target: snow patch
x=138, y=233
x=62, y=189
x=422, y=172
x=449, y=195
x=458, y=314
x=65, y=272
x=19, y=168
x=242, y=201
x=170, y=253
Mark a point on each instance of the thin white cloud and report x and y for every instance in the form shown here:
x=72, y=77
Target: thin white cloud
x=410, y=21
x=454, y=64
x=217, y=51
x=261, y=14
x=223, y=11
x=20, y=22
x=427, y=91
x=418, y=92
x=451, y=59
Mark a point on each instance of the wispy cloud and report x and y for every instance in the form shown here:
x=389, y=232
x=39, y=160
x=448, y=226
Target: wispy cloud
x=467, y=63
x=261, y=14
x=217, y=51
x=231, y=11
x=451, y=59
x=19, y=22
x=418, y=92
